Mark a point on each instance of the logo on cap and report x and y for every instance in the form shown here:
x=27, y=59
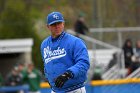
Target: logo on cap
x=55, y=16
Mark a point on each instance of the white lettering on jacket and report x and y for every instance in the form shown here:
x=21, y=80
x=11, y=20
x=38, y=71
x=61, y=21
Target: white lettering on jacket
x=55, y=54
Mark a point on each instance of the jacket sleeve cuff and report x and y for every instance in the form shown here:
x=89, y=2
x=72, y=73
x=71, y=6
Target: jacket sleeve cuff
x=70, y=72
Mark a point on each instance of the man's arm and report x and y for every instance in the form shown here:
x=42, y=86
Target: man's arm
x=81, y=59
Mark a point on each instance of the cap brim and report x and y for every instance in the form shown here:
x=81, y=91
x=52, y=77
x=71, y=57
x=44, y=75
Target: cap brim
x=56, y=22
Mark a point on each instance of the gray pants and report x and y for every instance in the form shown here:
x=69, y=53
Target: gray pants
x=79, y=90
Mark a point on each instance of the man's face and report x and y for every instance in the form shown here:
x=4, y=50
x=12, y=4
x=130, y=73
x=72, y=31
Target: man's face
x=56, y=28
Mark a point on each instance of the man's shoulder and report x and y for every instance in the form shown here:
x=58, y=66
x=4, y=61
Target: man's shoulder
x=72, y=37
x=75, y=39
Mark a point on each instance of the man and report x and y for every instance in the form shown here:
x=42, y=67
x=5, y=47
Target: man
x=65, y=58
x=80, y=26
x=32, y=76
x=14, y=78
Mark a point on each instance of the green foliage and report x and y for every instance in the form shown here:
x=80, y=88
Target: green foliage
x=119, y=13
x=36, y=54
x=16, y=22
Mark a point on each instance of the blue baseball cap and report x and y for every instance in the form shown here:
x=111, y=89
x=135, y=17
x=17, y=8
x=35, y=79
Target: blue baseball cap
x=54, y=17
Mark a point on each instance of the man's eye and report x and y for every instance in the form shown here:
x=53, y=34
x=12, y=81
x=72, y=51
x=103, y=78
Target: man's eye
x=56, y=24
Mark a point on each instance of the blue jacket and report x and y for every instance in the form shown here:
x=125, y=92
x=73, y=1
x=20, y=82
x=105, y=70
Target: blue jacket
x=65, y=53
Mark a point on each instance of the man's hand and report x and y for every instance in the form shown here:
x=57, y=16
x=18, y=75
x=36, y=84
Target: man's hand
x=60, y=80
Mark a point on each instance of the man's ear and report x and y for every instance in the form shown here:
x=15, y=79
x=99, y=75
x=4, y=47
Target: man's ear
x=63, y=23
x=47, y=26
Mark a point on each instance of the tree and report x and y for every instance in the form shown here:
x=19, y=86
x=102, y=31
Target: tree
x=16, y=22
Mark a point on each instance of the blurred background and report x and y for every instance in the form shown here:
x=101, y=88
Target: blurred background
x=110, y=28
